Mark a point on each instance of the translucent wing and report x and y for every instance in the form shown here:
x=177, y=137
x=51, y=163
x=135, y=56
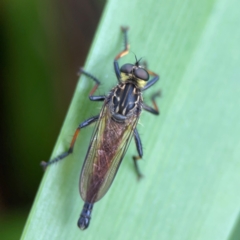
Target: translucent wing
x=108, y=146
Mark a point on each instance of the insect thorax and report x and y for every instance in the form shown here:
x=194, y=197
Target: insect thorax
x=126, y=100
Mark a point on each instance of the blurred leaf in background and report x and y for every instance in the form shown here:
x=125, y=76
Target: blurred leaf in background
x=42, y=45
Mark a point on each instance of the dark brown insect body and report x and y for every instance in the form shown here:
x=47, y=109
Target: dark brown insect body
x=117, y=120
x=115, y=127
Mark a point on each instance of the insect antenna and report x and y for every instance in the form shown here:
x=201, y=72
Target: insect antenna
x=137, y=60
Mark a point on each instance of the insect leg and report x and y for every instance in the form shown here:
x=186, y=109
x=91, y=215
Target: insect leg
x=70, y=150
x=152, y=81
x=95, y=86
x=97, y=98
x=124, y=52
x=154, y=110
x=140, y=153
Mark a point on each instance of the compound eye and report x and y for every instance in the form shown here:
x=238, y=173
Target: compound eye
x=141, y=74
x=126, y=68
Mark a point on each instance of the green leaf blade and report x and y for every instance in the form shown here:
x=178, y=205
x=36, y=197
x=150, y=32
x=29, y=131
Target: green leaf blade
x=191, y=151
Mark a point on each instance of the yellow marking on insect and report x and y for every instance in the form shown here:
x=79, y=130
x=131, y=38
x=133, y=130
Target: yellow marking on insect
x=131, y=78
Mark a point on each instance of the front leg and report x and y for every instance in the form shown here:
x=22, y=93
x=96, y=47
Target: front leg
x=124, y=52
x=81, y=70
x=154, y=110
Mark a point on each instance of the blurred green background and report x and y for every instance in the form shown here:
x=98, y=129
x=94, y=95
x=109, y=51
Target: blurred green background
x=42, y=45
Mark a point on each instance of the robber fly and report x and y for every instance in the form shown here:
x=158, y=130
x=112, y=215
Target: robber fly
x=114, y=129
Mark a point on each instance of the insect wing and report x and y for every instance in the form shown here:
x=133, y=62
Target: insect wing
x=108, y=146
